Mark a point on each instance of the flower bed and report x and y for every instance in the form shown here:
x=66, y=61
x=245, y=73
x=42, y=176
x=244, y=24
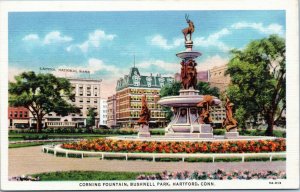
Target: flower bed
x=109, y=145
x=216, y=175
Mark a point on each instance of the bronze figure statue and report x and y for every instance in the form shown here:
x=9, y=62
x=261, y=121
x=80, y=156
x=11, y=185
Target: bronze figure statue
x=190, y=29
x=188, y=74
x=204, y=116
x=145, y=113
x=229, y=123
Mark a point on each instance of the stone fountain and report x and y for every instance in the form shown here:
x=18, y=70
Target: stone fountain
x=186, y=120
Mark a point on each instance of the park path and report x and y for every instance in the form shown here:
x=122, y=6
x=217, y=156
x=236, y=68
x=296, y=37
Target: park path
x=30, y=160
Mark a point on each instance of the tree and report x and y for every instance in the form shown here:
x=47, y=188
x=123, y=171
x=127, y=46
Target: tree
x=258, y=80
x=174, y=88
x=41, y=94
x=91, y=118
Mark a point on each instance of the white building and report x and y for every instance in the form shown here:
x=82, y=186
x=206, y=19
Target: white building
x=87, y=95
x=103, y=112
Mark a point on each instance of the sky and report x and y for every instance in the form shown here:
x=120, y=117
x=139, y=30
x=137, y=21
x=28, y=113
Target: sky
x=105, y=43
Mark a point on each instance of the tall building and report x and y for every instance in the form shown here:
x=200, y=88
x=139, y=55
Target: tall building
x=217, y=77
x=18, y=117
x=87, y=96
x=129, y=92
x=111, y=111
x=103, y=112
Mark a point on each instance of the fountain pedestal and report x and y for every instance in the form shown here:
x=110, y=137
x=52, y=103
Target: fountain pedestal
x=232, y=134
x=144, y=131
x=185, y=122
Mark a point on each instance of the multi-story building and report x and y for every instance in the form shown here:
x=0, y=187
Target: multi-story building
x=217, y=77
x=111, y=111
x=130, y=89
x=87, y=96
x=103, y=112
x=18, y=117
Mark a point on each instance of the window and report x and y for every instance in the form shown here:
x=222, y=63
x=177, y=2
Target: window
x=25, y=114
x=81, y=100
x=16, y=114
x=95, y=101
x=10, y=114
x=88, y=100
x=21, y=114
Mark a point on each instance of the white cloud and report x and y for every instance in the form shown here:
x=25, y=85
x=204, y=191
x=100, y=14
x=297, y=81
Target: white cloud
x=51, y=37
x=160, y=41
x=31, y=37
x=56, y=37
x=94, y=40
x=213, y=40
x=273, y=28
x=211, y=62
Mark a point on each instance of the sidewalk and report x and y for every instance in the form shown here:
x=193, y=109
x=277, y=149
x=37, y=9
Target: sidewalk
x=30, y=160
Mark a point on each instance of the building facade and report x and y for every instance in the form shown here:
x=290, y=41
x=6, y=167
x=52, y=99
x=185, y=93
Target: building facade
x=87, y=96
x=217, y=78
x=129, y=93
x=18, y=117
x=103, y=112
x=111, y=111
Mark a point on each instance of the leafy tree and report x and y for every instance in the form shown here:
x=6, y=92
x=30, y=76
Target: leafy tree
x=41, y=94
x=258, y=80
x=91, y=118
x=174, y=88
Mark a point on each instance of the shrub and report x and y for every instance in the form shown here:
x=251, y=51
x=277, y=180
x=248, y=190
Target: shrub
x=219, y=131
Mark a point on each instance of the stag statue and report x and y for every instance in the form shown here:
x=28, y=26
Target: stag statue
x=190, y=29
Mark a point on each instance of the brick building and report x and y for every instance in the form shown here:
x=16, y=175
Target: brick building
x=18, y=117
x=129, y=92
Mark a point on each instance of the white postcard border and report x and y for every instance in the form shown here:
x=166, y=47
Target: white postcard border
x=292, y=53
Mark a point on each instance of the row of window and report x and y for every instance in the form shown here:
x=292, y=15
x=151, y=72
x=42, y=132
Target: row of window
x=144, y=91
x=86, y=100
x=19, y=114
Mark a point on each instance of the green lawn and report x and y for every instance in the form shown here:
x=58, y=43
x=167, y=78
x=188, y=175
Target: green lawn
x=18, y=145
x=88, y=176
x=19, y=136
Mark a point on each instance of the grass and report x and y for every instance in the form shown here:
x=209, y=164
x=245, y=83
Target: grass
x=19, y=145
x=234, y=159
x=193, y=159
x=20, y=136
x=88, y=176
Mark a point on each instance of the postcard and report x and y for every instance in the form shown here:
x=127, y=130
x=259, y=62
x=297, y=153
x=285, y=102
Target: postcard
x=149, y=95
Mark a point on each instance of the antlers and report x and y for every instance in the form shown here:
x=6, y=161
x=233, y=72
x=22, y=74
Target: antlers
x=187, y=17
